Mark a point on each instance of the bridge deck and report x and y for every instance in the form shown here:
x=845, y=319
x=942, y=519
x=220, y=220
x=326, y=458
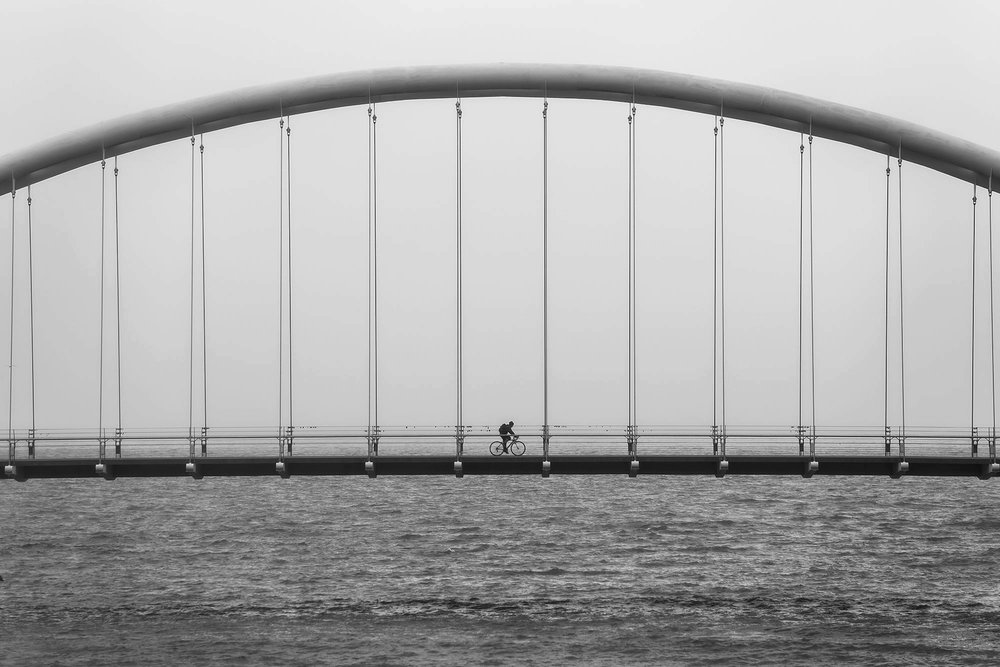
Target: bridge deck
x=25, y=469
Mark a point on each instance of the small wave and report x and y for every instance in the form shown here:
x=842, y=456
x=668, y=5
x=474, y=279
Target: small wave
x=637, y=549
x=465, y=538
x=552, y=571
x=979, y=523
x=957, y=561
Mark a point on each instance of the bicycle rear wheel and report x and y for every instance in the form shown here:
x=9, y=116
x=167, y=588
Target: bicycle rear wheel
x=517, y=448
x=496, y=448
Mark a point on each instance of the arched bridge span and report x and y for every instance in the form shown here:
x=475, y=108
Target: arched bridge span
x=950, y=155
x=887, y=136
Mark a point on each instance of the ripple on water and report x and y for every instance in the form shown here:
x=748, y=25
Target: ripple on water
x=648, y=571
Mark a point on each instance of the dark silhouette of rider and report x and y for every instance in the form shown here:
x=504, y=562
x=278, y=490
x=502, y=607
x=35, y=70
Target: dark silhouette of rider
x=506, y=431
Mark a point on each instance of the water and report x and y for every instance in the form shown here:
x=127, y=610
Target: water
x=499, y=570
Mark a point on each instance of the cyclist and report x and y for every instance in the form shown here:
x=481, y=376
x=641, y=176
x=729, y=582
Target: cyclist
x=506, y=431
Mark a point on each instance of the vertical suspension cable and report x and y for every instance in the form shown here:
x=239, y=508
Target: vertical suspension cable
x=204, y=301
x=993, y=361
x=31, y=315
x=545, y=274
x=972, y=367
x=372, y=279
x=291, y=365
x=100, y=381
x=191, y=305
x=458, y=271
x=632, y=284
x=722, y=265
x=888, y=171
x=902, y=357
x=375, y=255
x=715, y=280
x=281, y=278
x=369, y=276
x=118, y=308
x=10, y=365
x=629, y=221
x=802, y=150
x=631, y=261
x=812, y=294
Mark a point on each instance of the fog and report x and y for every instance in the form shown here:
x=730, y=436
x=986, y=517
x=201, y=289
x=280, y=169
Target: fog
x=929, y=63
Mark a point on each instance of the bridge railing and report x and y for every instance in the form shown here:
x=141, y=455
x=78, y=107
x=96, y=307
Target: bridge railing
x=592, y=440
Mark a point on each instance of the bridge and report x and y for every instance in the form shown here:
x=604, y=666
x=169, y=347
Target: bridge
x=636, y=444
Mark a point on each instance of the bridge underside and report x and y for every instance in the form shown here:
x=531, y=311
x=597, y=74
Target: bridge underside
x=925, y=466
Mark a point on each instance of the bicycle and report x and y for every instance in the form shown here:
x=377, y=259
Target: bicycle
x=515, y=447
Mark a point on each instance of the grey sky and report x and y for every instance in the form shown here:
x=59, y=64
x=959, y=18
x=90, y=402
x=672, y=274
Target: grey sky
x=75, y=64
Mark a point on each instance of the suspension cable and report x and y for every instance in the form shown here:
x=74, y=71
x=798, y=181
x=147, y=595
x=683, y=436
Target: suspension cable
x=715, y=279
x=191, y=304
x=888, y=171
x=722, y=264
x=545, y=274
x=802, y=150
x=31, y=314
x=204, y=301
x=369, y=276
x=118, y=310
x=10, y=365
x=972, y=367
x=633, y=285
x=458, y=268
x=100, y=393
x=375, y=254
x=631, y=270
x=372, y=279
x=288, y=188
x=993, y=365
x=812, y=292
x=902, y=357
x=281, y=276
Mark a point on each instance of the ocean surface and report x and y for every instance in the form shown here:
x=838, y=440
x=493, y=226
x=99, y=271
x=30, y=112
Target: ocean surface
x=500, y=571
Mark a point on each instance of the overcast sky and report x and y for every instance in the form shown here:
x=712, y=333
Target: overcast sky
x=72, y=64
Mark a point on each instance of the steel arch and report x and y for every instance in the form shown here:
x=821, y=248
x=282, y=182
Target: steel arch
x=882, y=134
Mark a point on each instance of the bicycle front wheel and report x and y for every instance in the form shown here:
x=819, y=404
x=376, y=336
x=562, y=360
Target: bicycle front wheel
x=496, y=448
x=517, y=448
